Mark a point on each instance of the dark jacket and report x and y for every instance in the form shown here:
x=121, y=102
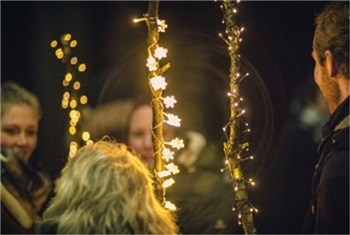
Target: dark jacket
x=23, y=194
x=329, y=210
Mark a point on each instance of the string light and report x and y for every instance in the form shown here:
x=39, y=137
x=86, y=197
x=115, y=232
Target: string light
x=72, y=100
x=163, y=155
x=232, y=148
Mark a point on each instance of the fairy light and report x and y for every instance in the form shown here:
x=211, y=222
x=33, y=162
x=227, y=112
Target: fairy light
x=72, y=100
x=232, y=147
x=163, y=153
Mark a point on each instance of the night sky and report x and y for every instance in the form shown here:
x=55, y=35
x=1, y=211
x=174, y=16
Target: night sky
x=276, y=51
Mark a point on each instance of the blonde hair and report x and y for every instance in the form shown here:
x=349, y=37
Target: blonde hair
x=106, y=189
x=13, y=94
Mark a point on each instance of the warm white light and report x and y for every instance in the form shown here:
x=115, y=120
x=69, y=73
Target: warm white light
x=158, y=82
x=161, y=25
x=173, y=120
x=152, y=64
x=160, y=52
x=177, y=143
x=170, y=206
x=167, y=154
x=169, y=101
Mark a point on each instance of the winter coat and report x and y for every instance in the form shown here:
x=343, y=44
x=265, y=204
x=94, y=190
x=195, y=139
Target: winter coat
x=23, y=193
x=329, y=210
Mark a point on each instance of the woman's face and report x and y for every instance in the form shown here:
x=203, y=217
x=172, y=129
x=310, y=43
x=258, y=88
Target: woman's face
x=140, y=133
x=19, y=130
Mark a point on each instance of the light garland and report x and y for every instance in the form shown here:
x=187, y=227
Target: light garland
x=232, y=147
x=71, y=99
x=163, y=156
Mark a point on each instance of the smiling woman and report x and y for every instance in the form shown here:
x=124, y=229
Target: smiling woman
x=24, y=191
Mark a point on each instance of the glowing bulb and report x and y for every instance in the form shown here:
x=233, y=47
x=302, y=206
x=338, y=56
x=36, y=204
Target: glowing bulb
x=68, y=77
x=67, y=37
x=85, y=136
x=82, y=68
x=76, y=85
x=53, y=43
x=161, y=25
x=73, y=43
x=83, y=99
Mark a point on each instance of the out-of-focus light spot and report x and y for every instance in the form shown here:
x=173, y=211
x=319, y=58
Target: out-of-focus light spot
x=68, y=77
x=76, y=85
x=85, y=136
x=72, y=130
x=73, y=104
x=67, y=37
x=82, y=67
x=66, y=95
x=65, y=82
x=73, y=43
x=53, y=44
x=64, y=103
x=74, y=60
x=59, y=53
x=83, y=99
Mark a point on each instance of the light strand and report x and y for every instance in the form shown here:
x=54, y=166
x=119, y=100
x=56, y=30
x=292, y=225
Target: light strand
x=163, y=155
x=232, y=147
x=72, y=100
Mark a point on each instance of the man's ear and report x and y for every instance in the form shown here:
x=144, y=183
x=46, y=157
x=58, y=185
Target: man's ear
x=331, y=64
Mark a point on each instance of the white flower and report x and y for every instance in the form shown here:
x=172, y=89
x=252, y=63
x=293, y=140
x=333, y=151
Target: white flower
x=173, y=120
x=177, y=143
x=158, y=82
x=167, y=154
x=152, y=64
x=160, y=52
x=169, y=101
x=161, y=25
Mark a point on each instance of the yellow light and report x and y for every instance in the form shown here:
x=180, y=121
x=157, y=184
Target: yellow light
x=72, y=130
x=73, y=104
x=67, y=37
x=89, y=142
x=74, y=60
x=83, y=99
x=65, y=82
x=82, y=67
x=68, y=77
x=66, y=95
x=85, y=136
x=53, y=43
x=64, y=104
x=73, y=43
x=73, y=114
x=76, y=85
x=59, y=53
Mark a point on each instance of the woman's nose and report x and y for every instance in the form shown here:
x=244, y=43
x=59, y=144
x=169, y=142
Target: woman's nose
x=22, y=139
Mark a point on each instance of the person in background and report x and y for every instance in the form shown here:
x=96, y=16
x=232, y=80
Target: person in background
x=24, y=190
x=329, y=210
x=202, y=194
x=105, y=189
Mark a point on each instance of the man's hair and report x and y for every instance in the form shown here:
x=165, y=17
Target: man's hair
x=105, y=189
x=332, y=33
x=13, y=94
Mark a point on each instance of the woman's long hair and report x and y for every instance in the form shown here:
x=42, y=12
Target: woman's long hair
x=106, y=189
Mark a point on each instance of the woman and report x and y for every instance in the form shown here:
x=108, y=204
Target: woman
x=105, y=189
x=23, y=190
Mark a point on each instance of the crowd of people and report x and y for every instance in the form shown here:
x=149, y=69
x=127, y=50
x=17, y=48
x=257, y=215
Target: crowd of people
x=106, y=188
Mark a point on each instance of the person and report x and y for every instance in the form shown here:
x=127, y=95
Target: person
x=24, y=190
x=329, y=210
x=105, y=189
x=139, y=131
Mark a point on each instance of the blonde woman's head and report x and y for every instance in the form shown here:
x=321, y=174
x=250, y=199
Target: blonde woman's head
x=106, y=189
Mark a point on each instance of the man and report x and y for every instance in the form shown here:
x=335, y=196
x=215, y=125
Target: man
x=329, y=211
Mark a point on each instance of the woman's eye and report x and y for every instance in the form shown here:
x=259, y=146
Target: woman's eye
x=10, y=131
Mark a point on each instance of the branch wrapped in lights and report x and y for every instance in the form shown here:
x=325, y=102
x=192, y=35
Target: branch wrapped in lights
x=71, y=99
x=232, y=147
x=157, y=85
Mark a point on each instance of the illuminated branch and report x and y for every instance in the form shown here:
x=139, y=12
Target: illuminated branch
x=157, y=84
x=232, y=147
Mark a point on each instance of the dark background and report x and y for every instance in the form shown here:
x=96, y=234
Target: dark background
x=276, y=51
